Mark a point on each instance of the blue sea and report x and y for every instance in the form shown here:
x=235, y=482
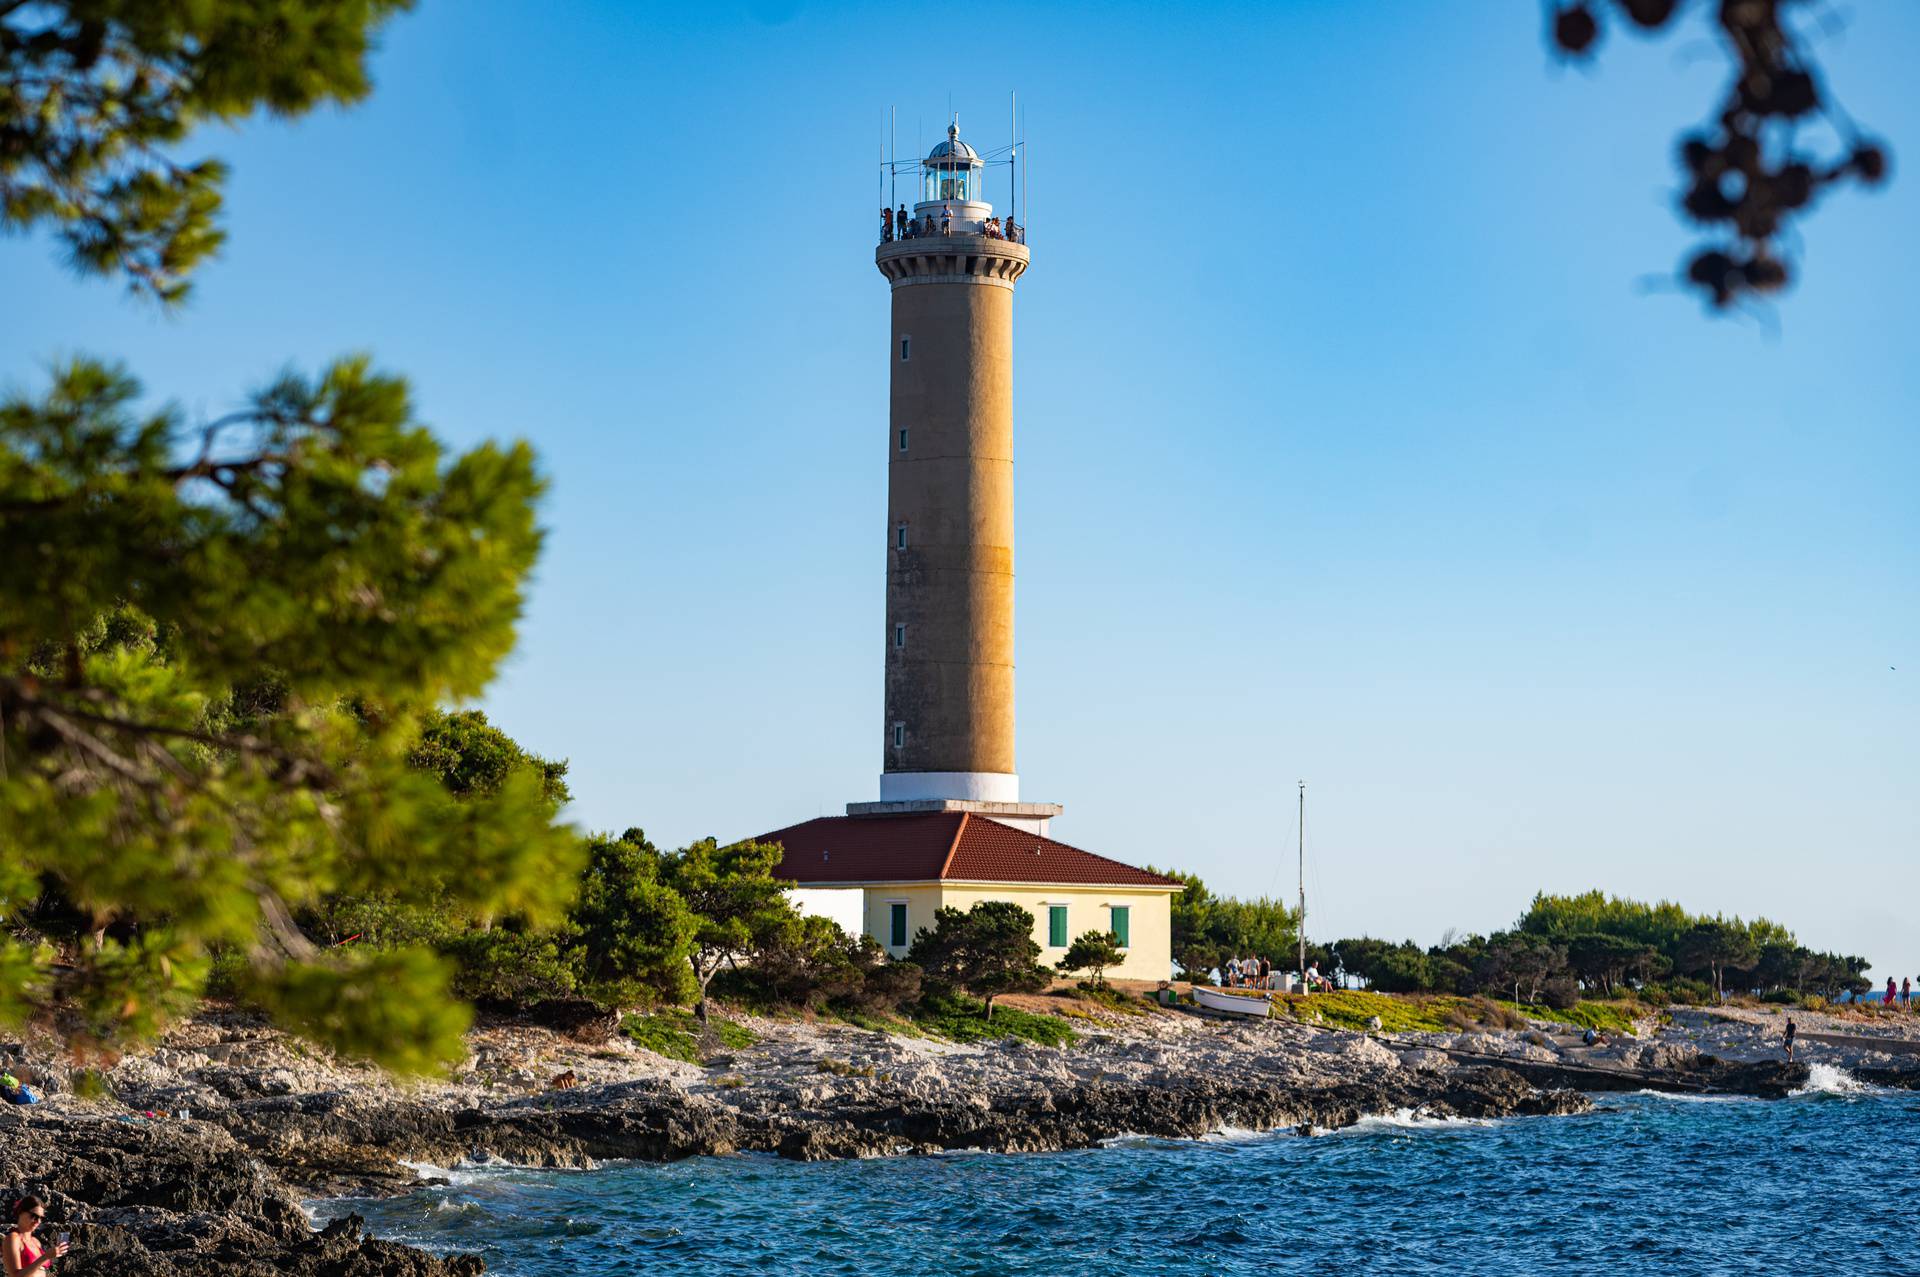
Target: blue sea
x=1822, y=1183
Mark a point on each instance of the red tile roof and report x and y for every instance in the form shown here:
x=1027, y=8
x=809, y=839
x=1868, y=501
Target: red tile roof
x=940, y=846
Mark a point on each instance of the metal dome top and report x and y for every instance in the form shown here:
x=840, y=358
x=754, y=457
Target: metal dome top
x=953, y=153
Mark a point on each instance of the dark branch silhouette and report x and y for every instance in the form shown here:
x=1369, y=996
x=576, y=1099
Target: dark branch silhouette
x=1745, y=176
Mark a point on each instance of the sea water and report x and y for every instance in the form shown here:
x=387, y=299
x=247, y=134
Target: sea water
x=1823, y=1182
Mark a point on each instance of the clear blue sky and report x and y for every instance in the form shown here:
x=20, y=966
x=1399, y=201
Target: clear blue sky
x=1349, y=445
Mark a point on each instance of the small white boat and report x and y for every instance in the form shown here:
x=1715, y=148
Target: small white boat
x=1232, y=1001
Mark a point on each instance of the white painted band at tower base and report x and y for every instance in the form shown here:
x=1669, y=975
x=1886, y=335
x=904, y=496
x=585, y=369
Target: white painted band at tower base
x=978, y=787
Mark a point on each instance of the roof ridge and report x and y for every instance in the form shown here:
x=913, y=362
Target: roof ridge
x=1079, y=851
x=954, y=846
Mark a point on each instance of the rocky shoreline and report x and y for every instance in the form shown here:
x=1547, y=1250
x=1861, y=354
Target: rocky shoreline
x=272, y=1124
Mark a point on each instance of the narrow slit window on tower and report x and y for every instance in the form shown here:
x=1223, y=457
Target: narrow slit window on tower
x=899, y=735
x=899, y=636
x=900, y=537
x=906, y=349
x=903, y=438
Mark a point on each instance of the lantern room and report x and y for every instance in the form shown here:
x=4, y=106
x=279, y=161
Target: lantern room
x=953, y=172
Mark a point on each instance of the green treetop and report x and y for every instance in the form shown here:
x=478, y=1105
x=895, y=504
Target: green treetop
x=222, y=640
x=987, y=951
x=734, y=899
x=96, y=95
x=1093, y=952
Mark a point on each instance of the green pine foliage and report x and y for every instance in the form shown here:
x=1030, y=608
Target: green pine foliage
x=634, y=934
x=733, y=898
x=1093, y=952
x=986, y=951
x=222, y=639
x=1209, y=929
x=221, y=647
x=1604, y=947
x=96, y=97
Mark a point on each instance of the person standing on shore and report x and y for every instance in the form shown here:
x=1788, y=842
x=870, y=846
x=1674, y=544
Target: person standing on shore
x=1906, y=993
x=1891, y=993
x=19, y=1255
x=1792, y=1032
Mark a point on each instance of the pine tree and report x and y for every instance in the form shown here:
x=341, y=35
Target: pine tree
x=220, y=640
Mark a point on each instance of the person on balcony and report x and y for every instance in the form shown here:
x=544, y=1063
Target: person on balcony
x=886, y=226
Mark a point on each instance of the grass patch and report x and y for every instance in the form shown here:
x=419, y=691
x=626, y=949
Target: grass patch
x=1355, y=1008
x=1444, y=1013
x=962, y=1020
x=1608, y=1017
x=1105, y=996
x=873, y=1023
x=675, y=1033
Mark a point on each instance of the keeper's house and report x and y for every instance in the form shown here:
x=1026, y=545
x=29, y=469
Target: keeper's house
x=886, y=875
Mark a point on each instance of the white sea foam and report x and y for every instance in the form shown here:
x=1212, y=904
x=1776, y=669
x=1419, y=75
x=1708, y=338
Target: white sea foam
x=1685, y=1097
x=1408, y=1119
x=427, y=1170
x=1224, y=1135
x=1827, y=1079
x=1127, y=1139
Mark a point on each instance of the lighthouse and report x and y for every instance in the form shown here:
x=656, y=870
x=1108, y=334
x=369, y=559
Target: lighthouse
x=951, y=266
x=950, y=829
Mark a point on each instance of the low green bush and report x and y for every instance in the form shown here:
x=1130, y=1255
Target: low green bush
x=1104, y=995
x=675, y=1033
x=963, y=1019
x=1608, y=1017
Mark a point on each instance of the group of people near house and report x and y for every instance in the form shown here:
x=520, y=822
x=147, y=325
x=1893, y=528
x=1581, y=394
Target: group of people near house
x=898, y=225
x=1259, y=973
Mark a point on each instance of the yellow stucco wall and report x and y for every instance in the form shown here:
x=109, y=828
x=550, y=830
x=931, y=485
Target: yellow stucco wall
x=1150, y=922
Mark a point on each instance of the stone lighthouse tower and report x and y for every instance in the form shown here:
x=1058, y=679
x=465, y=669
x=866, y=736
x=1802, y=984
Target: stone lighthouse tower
x=948, y=727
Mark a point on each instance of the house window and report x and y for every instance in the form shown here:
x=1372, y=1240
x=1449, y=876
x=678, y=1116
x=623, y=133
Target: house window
x=897, y=924
x=899, y=636
x=1056, y=926
x=1121, y=915
x=903, y=438
x=899, y=735
x=900, y=537
x=906, y=349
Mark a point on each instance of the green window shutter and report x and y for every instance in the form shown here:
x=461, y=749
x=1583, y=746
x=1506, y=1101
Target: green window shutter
x=897, y=925
x=1120, y=918
x=1057, y=926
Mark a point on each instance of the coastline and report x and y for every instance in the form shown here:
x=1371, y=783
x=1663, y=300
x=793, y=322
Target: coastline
x=273, y=1124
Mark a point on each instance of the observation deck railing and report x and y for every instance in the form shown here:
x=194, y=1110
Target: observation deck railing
x=946, y=226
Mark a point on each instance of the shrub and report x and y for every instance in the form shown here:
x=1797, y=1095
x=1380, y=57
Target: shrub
x=1560, y=993
x=813, y=965
x=1107, y=996
x=1093, y=952
x=964, y=1020
x=510, y=967
x=676, y=1034
x=987, y=951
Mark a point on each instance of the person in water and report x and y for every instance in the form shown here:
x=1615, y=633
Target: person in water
x=1792, y=1032
x=21, y=1255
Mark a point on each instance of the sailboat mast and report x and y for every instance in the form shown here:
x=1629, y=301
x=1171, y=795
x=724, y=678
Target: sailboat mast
x=1302, y=928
